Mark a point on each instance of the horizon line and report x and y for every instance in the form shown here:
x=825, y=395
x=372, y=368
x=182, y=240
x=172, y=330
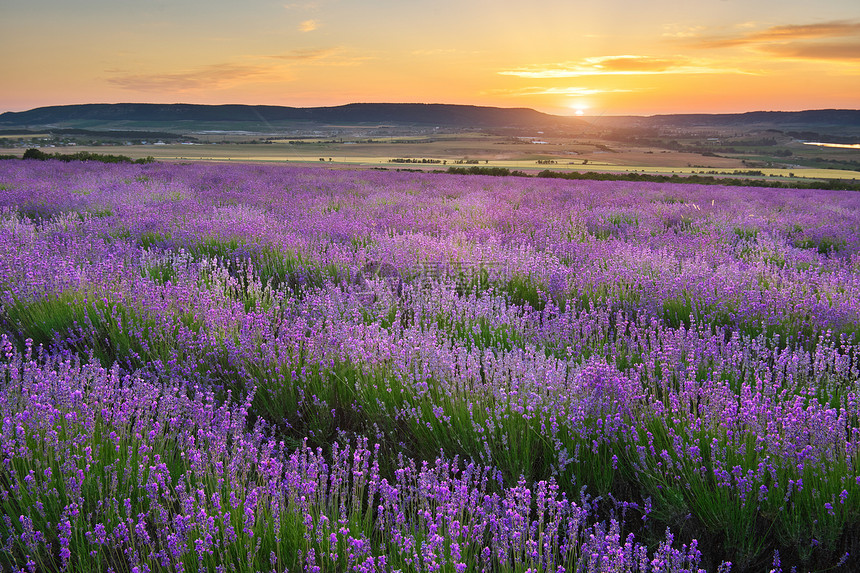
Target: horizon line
x=571, y=116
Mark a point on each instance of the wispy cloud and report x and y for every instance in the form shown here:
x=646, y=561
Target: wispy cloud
x=835, y=40
x=564, y=91
x=209, y=77
x=835, y=29
x=435, y=52
x=336, y=56
x=842, y=51
x=305, y=54
x=309, y=25
x=681, y=31
x=616, y=65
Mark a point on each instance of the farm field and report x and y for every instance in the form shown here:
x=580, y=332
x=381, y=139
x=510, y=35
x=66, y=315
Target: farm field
x=267, y=367
x=456, y=151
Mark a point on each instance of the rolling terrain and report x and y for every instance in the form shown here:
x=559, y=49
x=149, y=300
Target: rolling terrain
x=427, y=136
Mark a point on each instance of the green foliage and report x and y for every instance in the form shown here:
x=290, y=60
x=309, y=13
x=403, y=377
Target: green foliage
x=34, y=153
x=831, y=184
x=36, y=212
x=40, y=155
x=746, y=233
x=96, y=213
x=824, y=245
x=524, y=290
x=493, y=171
x=160, y=273
x=150, y=239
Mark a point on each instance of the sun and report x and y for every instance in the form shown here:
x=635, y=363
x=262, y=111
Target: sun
x=579, y=107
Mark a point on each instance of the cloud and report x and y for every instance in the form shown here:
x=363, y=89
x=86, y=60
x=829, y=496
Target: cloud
x=309, y=25
x=681, y=31
x=844, y=51
x=615, y=65
x=321, y=57
x=635, y=64
x=797, y=32
x=209, y=77
x=435, y=52
x=565, y=91
x=304, y=54
x=835, y=40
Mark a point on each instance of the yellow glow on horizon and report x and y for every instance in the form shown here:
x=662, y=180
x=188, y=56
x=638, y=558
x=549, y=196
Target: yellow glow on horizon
x=579, y=107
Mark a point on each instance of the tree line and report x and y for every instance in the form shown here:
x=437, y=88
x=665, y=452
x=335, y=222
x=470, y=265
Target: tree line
x=40, y=155
x=828, y=184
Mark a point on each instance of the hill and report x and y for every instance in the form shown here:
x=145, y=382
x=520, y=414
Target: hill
x=815, y=117
x=399, y=114
x=256, y=118
x=829, y=120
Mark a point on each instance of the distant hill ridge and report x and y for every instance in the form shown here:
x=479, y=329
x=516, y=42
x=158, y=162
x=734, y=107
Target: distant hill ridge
x=397, y=114
x=823, y=117
x=447, y=115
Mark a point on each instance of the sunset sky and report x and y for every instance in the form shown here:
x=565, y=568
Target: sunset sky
x=611, y=57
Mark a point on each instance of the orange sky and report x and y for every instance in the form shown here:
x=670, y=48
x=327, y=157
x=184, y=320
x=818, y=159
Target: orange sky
x=611, y=57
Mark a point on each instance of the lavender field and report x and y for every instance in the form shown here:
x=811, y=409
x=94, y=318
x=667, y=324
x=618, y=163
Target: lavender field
x=266, y=368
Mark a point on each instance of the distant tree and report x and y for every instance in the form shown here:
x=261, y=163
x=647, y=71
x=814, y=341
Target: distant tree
x=34, y=153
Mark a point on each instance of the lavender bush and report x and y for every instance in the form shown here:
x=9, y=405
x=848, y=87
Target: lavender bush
x=269, y=368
